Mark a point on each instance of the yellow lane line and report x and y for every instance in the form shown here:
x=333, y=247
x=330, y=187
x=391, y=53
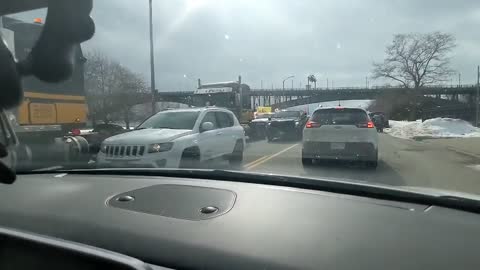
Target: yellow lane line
x=255, y=161
x=267, y=158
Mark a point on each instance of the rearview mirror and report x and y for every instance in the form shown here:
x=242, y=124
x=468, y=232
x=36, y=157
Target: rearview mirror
x=206, y=126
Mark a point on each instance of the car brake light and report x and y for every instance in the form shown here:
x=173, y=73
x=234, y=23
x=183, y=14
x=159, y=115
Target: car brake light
x=76, y=132
x=311, y=124
x=369, y=124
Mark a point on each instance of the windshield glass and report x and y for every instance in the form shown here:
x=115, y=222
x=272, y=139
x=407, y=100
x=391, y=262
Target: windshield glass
x=362, y=91
x=286, y=114
x=340, y=117
x=171, y=120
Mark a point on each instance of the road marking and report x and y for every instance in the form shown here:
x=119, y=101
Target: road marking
x=255, y=161
x=264, y=159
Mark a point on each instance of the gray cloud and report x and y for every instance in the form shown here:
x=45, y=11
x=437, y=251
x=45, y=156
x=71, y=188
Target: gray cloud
x=270, y=39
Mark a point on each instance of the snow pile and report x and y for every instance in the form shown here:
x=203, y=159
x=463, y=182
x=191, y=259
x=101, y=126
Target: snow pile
x=433, y=128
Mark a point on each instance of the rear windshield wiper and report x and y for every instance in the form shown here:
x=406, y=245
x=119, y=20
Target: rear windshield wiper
x=320, y=184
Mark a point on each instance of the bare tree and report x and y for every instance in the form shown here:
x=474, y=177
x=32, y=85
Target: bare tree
x=99, y=84
x=111, y=89
x=416, y=60
x=130, y=87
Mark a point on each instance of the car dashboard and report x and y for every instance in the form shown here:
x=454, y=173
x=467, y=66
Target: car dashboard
x=191, y=223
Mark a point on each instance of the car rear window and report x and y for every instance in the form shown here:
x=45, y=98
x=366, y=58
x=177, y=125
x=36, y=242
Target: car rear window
x=340, y=117
x=286, y=114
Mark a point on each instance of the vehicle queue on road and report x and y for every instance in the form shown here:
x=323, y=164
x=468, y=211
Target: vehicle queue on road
x=184, y=138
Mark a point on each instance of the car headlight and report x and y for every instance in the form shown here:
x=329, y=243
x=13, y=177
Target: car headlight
x=160, y=147
x=297, y=123
x=103, y=148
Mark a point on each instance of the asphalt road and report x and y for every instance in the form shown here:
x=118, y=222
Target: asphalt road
x=430, y=163
x=402, y=162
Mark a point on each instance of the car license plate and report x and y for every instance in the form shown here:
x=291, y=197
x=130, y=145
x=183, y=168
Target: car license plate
x=337, y=146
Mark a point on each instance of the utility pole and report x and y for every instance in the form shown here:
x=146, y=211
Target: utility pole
x=152, y=61
x=261, y=84
x=292, y=84
x=283, y=84
x=241, y=95
x=327, y=83
x=366, y=82
x=477, y=97
x=459, y=80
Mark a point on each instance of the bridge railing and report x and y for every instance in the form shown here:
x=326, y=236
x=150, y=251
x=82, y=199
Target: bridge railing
x=435, y=89
x=374, y=87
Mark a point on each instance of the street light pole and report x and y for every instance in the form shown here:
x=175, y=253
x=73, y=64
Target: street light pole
x=283, y=85
x=477, y=124
x=152, y=61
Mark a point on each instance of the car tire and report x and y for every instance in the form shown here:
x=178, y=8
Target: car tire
x=236, y=158
x=372, y=164
x=190, y=158
x=307, y=162
x=269, y=138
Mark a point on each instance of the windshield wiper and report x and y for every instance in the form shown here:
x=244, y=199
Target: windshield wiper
x=320, y=184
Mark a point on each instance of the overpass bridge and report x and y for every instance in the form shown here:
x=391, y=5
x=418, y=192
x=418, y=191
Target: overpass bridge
x=285, y=98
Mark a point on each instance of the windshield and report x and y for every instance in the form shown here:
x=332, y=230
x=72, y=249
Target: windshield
x=171, y=120
x=286, y=114
x=363, y=91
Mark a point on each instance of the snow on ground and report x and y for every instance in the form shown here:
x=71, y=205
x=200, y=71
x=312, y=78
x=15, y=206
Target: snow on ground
x=434, y=128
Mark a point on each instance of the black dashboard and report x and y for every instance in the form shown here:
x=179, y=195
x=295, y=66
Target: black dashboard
x=203, y=224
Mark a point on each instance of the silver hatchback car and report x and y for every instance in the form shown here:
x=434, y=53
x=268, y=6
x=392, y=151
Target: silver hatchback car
x=340, y=133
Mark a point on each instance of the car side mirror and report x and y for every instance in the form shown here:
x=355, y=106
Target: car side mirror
x=206, y=126
x=269, y=118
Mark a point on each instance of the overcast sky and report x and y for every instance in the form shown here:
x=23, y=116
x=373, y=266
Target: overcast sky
x=269, y=40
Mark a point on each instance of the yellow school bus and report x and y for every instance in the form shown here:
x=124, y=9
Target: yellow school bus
x=46, y=105
x=49, y=111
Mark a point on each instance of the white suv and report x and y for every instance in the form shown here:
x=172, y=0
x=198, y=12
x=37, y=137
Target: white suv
x=177, y=138
x=340, y=134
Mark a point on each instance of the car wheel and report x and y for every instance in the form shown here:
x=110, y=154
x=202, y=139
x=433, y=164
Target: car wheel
x=269, y=138
x=307, y=162
x=190, y=158
x=372, y=164
x=236, y=157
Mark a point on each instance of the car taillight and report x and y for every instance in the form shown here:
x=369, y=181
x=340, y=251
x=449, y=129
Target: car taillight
x=311, y=124
x=76, y=132
x=369, y=124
